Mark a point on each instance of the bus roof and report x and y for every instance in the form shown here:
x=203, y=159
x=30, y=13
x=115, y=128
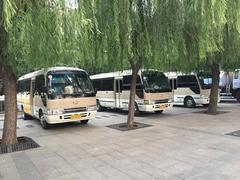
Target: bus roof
x=117, y=74
x=172, y=75
x=43, y=71
x=111, y=74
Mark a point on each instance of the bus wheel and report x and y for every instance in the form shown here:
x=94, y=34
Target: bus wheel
x=205, y=105
x=44, y=123
x=238, y=96
x=137, y=112
x=159, y=112
x=84, y=121
x=99, y=107
x=26, y=116
x=189, y=102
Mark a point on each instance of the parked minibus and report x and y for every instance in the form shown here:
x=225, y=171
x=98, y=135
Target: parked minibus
x=190, y=89
x=153, y=91
x=57, y=95
x=230, y=85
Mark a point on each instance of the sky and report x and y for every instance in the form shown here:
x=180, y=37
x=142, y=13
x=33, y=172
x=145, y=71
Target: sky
x=71, y=3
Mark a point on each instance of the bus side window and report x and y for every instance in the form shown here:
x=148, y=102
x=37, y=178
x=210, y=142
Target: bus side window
x=127, y=81
x=189, y=81
x=107, y=84
x=97, y=83
x=26, y=86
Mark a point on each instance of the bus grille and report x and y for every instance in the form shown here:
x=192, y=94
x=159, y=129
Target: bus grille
x=161, y=101
x=73, y=110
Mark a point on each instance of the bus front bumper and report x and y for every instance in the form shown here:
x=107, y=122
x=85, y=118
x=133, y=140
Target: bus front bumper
x=71, y=117
x=202, y=101
x=205, y=100
x=155, y=107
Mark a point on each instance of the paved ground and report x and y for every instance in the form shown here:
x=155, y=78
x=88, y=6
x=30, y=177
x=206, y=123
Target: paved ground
x=180, y=145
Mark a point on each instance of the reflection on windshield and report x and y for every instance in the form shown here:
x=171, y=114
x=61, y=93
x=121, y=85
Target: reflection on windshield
x=205, y=81
x=155, y=81
x=69, y=84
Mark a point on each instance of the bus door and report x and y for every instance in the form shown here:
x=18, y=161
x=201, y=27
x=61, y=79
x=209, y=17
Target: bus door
x=118, y=91
x=236, y=79
x=173, y=84
x=32, y=92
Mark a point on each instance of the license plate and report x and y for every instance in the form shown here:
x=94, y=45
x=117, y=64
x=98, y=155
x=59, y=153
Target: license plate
x=163, y=106
x=75, y=116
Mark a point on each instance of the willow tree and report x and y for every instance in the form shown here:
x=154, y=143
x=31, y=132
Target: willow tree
x=205, y=37
x=12, y=16
x=127, y=36
x=33, y=35
x=139, y=46
x=212, y=38
x=9, y=78
x=176, y=35
x=123, y=39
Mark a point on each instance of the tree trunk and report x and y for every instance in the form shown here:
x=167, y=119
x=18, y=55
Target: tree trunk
x=10, y=120
x=212, y=108
x=131, y=105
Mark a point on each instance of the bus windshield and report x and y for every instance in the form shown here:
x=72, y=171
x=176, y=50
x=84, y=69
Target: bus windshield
x=62, y=84
x=155, y=81
x=205, y=81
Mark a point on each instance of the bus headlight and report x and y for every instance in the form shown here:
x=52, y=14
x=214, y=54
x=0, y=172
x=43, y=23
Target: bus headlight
x=91, y=108
x=55, y=111
x=146, y=102
x=204, y=97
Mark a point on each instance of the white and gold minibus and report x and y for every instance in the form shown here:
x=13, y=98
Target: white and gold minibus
x=153, y=91
x=57, y=95
x=190, y=89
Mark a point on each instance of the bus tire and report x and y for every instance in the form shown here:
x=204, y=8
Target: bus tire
x=137, y=112
x=238, y=95
x=84, y=121
x=43, y=121
x=205, y=105
x=26, y=116
x=99, y=107
x=159, y=111
x=189, y=102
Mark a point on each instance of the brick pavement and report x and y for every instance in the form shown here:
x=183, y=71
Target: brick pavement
x=179, y=145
